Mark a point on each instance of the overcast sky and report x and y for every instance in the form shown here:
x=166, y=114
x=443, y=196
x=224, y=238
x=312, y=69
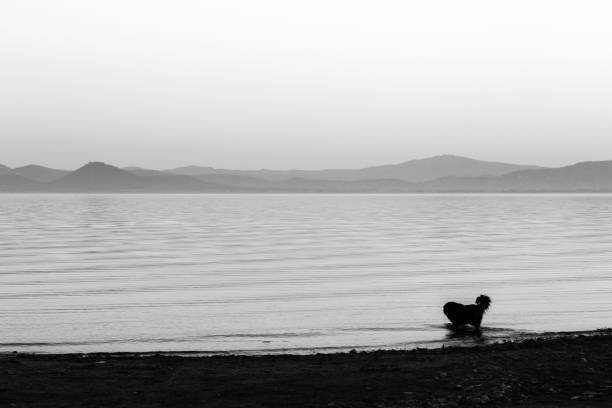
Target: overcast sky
x=308, y=84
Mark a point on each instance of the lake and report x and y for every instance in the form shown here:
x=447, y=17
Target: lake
x=295, y=273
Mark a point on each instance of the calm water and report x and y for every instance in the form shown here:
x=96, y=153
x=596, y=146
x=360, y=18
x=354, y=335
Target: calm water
x=295, y=272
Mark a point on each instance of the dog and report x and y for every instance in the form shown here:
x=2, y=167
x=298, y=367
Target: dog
x=460, y=314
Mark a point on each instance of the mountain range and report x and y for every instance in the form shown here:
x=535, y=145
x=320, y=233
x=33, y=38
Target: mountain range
x=414, y=171
x=445, y=173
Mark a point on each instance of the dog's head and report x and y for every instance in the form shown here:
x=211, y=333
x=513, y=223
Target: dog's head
x=483, y=301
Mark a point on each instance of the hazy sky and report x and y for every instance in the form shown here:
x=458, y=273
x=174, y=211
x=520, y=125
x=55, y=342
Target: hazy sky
x=303, y=84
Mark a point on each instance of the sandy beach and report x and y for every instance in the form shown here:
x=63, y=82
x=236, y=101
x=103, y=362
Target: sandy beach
x=570, y=370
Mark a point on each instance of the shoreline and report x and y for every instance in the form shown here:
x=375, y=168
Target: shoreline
x=574, y=369
x=462, y=338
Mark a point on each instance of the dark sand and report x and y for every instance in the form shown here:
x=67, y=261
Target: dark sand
x=566, y=371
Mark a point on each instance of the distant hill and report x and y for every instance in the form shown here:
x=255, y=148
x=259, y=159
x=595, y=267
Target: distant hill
x=139, y=171
x=580, y=177
x=97, y=177
x=40, y=173
x=101, y=177
x=4, y=170
x=440, y=166
x=302, y=185
x=14, y=183
x=172, y=183
x=197, y=170
x=588, y=176
x=412, y=171
x=240, y=182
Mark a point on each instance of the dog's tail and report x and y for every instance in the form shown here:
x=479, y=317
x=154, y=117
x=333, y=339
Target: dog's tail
x=484, y=302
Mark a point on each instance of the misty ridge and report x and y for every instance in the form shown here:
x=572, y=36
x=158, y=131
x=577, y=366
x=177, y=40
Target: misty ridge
x=439, y=174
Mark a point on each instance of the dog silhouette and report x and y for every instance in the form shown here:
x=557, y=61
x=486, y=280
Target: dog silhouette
x=460, y=314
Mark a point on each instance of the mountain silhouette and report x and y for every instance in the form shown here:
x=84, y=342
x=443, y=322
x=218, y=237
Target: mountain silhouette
x=584, y=176
x=40, y=173
x=98, y=177
x=240, y=182
x=14, y=183
x=440, y=166
x=412, y=171
x=197, y=170
x=139, y=171
x=101, y=177
x=5, y=170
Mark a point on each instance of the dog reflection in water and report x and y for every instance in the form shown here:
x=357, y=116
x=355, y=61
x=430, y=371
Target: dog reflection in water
x=460, y=314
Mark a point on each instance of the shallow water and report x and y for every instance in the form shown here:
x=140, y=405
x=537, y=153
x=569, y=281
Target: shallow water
x=295, y=272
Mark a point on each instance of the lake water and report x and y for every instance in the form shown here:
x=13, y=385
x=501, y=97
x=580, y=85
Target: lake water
x=295, y=273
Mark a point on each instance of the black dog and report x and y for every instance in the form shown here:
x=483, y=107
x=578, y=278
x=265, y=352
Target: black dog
x=460, y=314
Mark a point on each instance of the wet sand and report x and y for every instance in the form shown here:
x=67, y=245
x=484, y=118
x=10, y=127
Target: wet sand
x=571, y=370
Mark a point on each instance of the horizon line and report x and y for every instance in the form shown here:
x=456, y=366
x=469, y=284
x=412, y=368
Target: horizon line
x=299, y=169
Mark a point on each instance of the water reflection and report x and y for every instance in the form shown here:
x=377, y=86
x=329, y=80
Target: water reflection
x=465, y=333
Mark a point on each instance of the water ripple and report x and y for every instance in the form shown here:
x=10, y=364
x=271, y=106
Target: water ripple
x=294, y=272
